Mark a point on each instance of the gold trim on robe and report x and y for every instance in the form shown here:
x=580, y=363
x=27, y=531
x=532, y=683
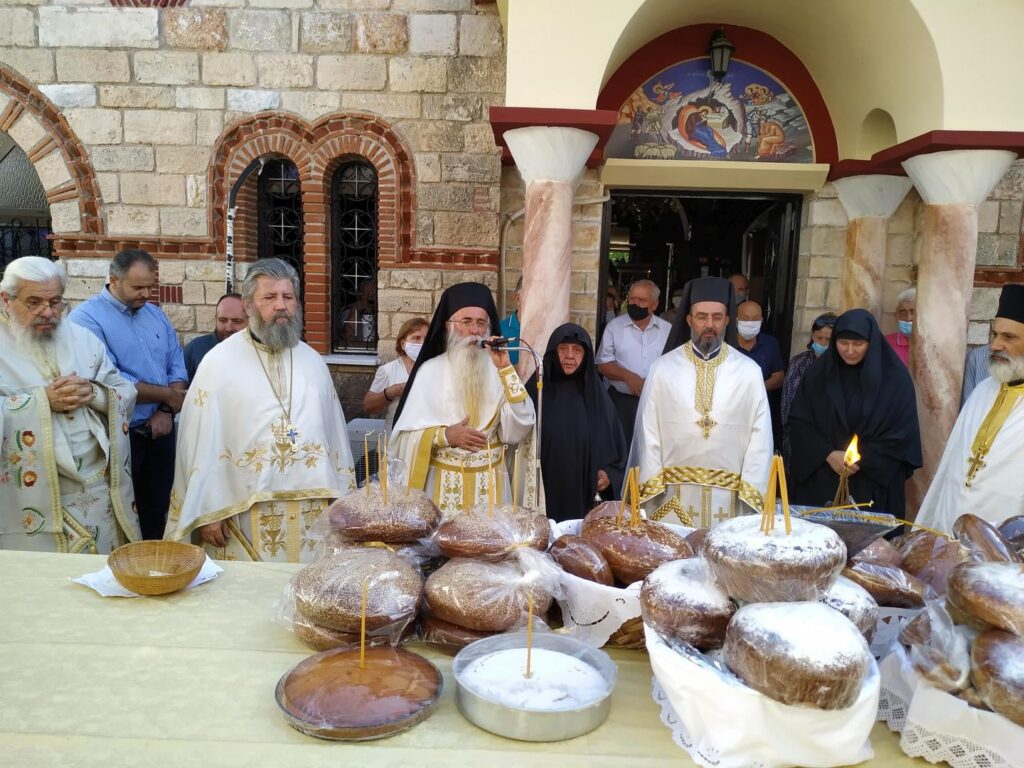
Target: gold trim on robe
x=702, y=476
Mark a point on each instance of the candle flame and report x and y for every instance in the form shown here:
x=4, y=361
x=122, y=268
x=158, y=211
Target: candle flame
x=852, y=455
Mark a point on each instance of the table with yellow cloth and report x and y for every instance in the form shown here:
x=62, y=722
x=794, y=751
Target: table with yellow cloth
x=187, y=680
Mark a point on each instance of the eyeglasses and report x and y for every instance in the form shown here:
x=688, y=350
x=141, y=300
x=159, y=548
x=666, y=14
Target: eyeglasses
x=468, y=322
x=36, y=306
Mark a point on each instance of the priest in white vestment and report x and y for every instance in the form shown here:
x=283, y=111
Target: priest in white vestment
x=464, y=408
x=703, y=437
x=65, y=483
x=262, y=445
x=982, y=468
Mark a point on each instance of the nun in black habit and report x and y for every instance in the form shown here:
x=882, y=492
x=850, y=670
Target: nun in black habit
x=840, y=397
x=583, y=449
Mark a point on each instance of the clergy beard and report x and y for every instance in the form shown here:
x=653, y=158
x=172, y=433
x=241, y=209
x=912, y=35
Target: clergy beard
x=276, y=336
x=469, y=368
x=1005, y=368
x=707, y=342
x=36, y=345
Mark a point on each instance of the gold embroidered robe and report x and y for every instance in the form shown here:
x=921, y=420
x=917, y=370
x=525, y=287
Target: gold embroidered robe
x=240, y=459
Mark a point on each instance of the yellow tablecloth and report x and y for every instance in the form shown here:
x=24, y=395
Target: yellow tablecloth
x=188, y=680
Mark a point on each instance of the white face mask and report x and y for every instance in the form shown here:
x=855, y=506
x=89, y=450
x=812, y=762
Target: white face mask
x=748, y=329
x=412, y=349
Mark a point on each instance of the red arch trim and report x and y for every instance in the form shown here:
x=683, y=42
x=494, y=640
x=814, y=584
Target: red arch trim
x=753, y=47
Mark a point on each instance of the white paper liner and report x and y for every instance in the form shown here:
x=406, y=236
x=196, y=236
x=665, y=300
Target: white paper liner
x=722, y=723
x=941, y=727
x=104, y=583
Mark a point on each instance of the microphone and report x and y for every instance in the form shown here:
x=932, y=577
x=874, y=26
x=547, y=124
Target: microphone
x=496, y=343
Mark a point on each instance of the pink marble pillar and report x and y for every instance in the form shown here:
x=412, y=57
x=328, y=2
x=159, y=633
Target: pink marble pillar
x=952, y=184
x=551, y=161
x=869, y=202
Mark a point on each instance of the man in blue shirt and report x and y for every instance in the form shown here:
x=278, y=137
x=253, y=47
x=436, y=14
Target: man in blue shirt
x=229, y=319
x=762, y=348
x=510, y=324
x=143, y=345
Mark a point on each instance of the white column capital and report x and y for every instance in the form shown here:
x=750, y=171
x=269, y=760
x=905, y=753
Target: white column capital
x=872, y=195
x=550, y=153
x=958, y=176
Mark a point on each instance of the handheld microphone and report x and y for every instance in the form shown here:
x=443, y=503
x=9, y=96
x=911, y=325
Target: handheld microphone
x=496, y=343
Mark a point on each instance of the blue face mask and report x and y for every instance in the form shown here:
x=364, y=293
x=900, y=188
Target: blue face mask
x=906, y=326
x=819, y=349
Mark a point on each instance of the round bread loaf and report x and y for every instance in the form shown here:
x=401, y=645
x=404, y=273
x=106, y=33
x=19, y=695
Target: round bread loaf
x=438, y=632
x=696, y=539
x=324, y=638
x=756, y=567
x=1012, y=529
x=680, y=599
x=406, y=517
x=930, y=558
x=478, y=534
x=577, y=557
x=879, y=552
x=984, y=541
x=329, y=592
x=481, y=595
x=798, y=653
x=997, y=671
x=990, y=592
x=917, y=631
x=891, y=587
x=964, y=619
x=855, y=603
x=633, y=551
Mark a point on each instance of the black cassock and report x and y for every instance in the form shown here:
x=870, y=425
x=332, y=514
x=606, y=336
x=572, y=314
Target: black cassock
x=874, y=400
x=580, y=431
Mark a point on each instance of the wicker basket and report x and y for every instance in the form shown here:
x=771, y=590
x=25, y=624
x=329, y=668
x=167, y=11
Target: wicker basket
x=629, y=635
x=156, y=567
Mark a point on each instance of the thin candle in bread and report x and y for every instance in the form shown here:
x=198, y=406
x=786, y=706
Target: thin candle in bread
x=529, y=636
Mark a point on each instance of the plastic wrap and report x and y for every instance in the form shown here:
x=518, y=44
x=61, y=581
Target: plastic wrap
x=992, y=593
x=632, y=551
x=891, y=587
x=879, y=552
x=997, y=671
x=938, y=650
x=857, y=529
x=985, y=542
x=681, y=600
x=756, y=567
x=855, y=603
x=1012, y=530
x=798, y=653
x=930, y=558
x=577, y=557
x=407, y=517
x=321, y=638
x=491, y=596
x=329, y=592
x=439, y=632
x=492, y=533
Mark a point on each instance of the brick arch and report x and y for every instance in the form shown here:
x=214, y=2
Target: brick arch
x=55, y=152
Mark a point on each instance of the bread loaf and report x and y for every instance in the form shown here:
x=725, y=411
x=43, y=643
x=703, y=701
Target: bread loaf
x=992, y=593
x=1012, y=529
x=756, y=567
x=854, y=602
x=406, y=517
x=579, y=558
x=483, y=596
x=798, y=653
x=329, y=592
x=930, y=558
x=696, y=539
x=985, y=542
x=997, y=671
x=879, y=552
x=680, y=599
x=891, y=587
x=938, y=651
x=324, y=638
x=438, y=632
x=478, y=534
x=632, y=551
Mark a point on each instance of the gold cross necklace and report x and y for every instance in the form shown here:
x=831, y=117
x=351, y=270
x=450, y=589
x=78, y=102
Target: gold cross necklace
x=285, y=432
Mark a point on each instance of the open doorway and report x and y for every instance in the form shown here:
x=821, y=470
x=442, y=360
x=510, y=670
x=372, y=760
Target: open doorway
x=24, y=212
x=673, y=236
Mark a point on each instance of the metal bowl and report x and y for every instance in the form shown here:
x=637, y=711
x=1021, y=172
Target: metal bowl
x=533, y=724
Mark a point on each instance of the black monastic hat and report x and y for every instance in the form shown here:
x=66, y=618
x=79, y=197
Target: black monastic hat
x=1011, y=303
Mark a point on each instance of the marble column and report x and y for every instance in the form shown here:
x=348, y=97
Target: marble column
x=869, y=202
x=952, y=184
x=551, y=161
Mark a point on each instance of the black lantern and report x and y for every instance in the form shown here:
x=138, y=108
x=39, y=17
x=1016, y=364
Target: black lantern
x=720, y=50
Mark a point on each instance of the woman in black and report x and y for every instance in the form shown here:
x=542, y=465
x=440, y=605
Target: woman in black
x=858, y=387
x=583, y=449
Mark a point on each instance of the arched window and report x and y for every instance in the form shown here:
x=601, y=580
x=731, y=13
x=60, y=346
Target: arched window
x=279, y=210
x=354, y=257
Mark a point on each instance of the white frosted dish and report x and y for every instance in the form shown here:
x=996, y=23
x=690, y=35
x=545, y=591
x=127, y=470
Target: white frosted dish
x=567, y=695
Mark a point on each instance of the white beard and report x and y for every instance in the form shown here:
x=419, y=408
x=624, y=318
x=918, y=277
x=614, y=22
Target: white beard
x=34, y=346
x=277, y=337
x=1006, y=368
x=470, y=367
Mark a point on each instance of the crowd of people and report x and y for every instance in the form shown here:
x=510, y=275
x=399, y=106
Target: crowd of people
x=111, y=432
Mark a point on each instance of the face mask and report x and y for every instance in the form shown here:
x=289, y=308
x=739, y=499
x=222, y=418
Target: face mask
x=748, y=329
x=677, y=300
x=609, y=314
x=412, y=349
x=819, y=349
x=906, y=326
x=740, y=297
x=636, y=312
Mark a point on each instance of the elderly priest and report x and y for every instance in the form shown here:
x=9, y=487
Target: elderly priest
x=703, y=437
x=462, y=404
x=980, y=471
x=64, y=412
x=262, y=446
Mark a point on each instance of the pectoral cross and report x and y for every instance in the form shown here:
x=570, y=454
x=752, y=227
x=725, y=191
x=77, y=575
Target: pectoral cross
x=706, y=423
x=974, y=464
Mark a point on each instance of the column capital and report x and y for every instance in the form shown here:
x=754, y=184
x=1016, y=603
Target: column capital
x=958, y=176
x=872, y=195
x=548, y=153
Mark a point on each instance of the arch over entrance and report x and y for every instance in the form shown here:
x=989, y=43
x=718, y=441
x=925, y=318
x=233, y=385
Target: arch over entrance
x=56, y=154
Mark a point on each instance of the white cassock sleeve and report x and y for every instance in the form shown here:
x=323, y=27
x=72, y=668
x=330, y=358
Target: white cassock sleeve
x=758, y=456
x=517, y=416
